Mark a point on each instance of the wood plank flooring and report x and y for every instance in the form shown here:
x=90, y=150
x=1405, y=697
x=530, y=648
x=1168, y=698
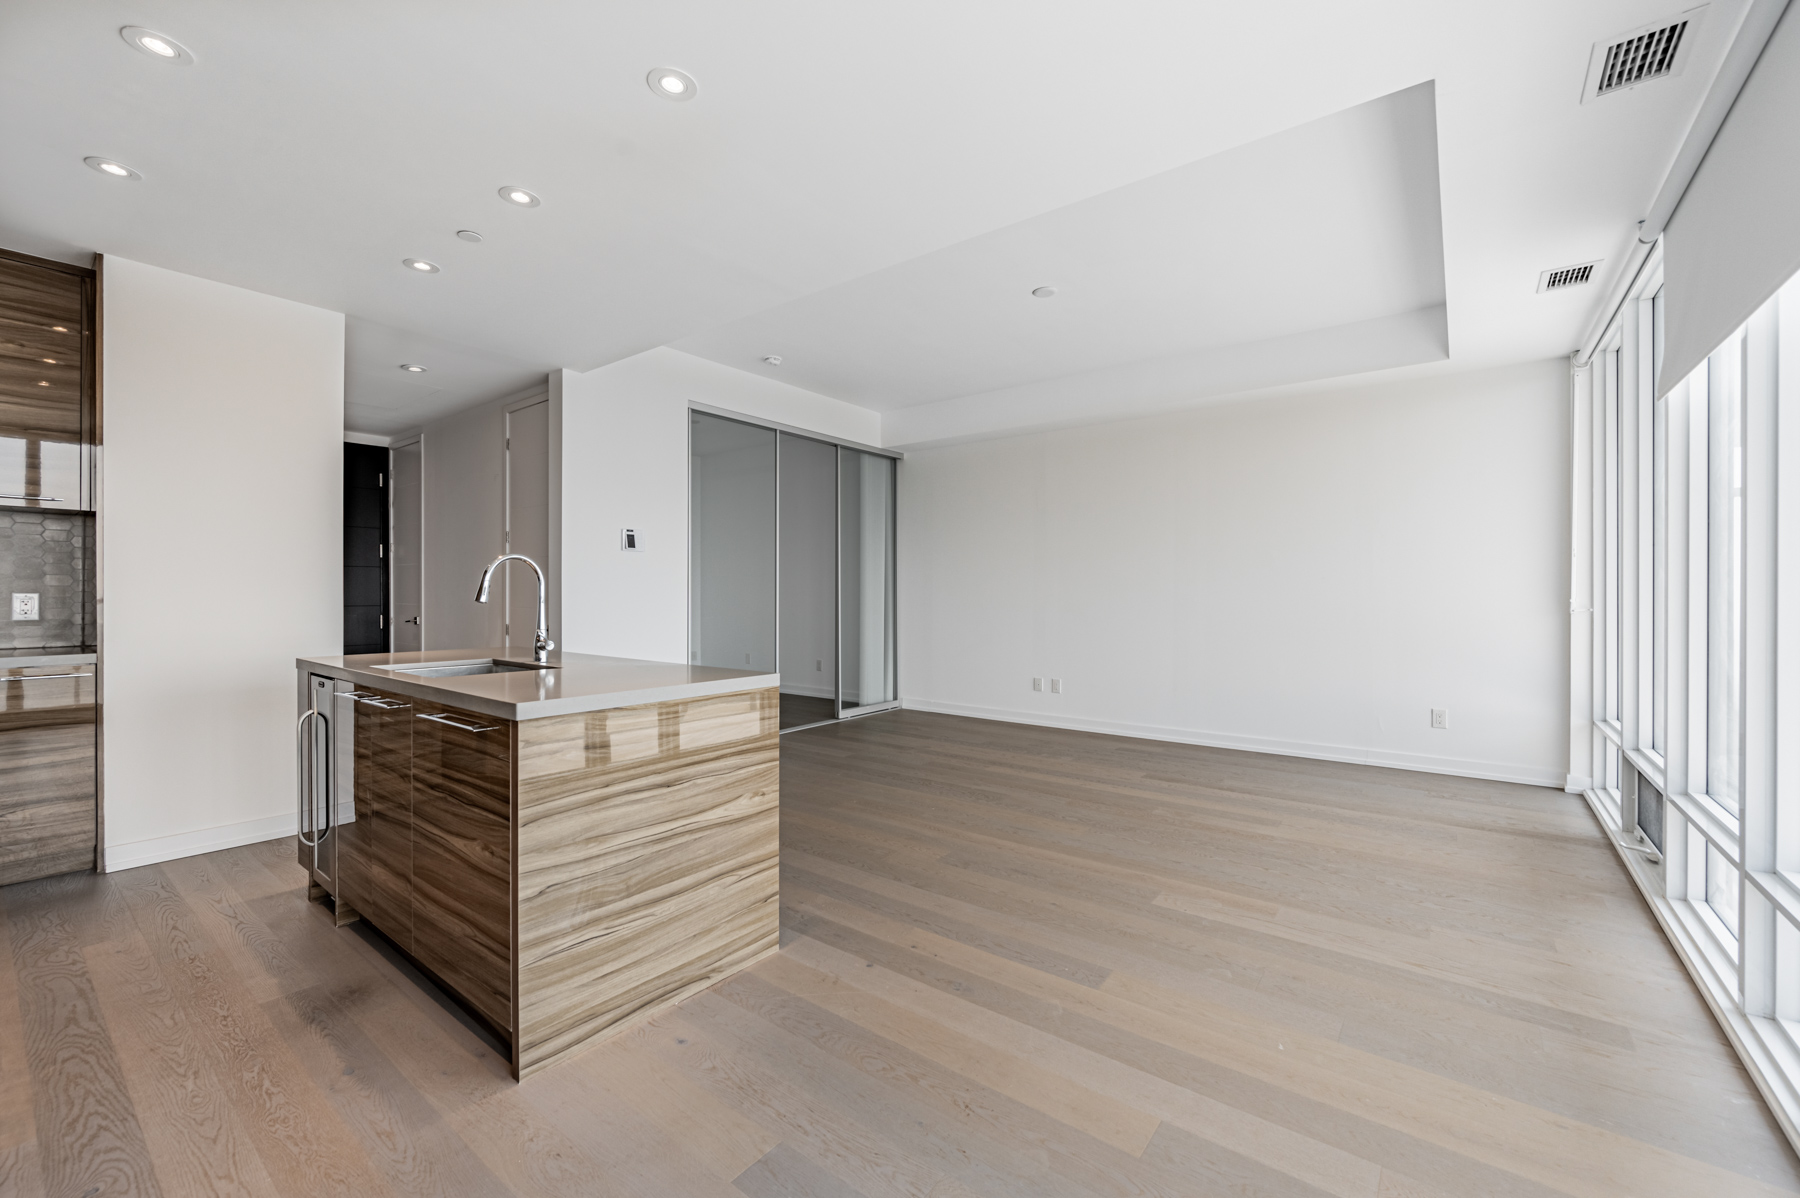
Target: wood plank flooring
x=1016, y=961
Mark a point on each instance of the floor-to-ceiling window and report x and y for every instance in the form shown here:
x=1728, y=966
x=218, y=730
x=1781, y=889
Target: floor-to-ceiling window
x=1694, y=767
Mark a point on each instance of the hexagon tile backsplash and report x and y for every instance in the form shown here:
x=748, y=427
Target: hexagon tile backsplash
x=49, y=554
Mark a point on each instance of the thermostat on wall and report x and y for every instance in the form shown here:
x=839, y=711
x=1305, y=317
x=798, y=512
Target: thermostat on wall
x=630, y=541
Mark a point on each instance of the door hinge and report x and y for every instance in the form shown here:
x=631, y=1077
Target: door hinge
x=381, y=480
x=381, y=551
x=381, y=621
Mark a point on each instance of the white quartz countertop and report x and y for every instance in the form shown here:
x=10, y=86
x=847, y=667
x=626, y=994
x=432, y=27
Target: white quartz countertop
x=573, y=683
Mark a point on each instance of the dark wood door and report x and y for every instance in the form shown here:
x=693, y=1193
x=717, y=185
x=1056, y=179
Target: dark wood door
x=375, y=849
x=461, y=854
x=46, y=384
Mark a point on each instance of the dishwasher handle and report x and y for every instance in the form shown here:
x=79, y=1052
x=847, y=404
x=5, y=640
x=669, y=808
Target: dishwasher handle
x=308, y=803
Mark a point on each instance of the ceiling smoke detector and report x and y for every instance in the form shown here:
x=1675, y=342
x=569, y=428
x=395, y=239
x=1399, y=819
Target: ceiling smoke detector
x=412, y=368
x=1564, y=277
x=773, y=359
x=1650, y=52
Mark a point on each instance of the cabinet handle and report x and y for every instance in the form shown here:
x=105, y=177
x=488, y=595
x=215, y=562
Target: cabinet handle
x=34, y=677
x=36, y=498
x=459, y=725
x=385, y=704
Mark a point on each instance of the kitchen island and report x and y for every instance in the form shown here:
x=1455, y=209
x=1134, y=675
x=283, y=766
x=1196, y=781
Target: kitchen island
x=566, y=847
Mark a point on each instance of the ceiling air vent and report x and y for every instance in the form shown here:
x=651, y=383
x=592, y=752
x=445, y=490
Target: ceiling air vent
x=1567, y=276
x=1642, y=55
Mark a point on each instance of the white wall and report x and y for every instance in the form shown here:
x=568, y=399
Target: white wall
x=221, y=542
x=1309, y=574
x=624, y=457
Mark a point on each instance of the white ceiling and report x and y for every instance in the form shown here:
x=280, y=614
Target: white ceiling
x=1333, y=223
x=312, y=146
x=380, y=397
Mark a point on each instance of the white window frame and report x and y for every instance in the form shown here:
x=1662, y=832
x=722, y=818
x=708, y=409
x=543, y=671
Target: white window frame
x=1750, y=979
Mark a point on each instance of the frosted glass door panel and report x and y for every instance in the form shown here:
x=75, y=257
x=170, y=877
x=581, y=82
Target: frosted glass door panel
x=808, y=580
x=732, y=568
x=865, y=579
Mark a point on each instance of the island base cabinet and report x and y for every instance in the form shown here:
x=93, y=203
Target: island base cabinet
x=375, y=852
x=649, y=862
x=462, y=854
x=566, y=877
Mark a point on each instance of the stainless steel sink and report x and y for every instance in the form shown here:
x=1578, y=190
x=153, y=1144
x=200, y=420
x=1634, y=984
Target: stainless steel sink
x=454, y=669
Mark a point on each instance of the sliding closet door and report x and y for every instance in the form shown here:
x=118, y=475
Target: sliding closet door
x=808, y=580
x=732, y=564
x=865, y=581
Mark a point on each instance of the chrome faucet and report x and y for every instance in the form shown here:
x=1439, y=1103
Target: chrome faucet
x=540, y=651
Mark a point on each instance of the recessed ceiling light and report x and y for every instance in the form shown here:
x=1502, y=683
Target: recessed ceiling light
x=107, y=166
x=51, y=361
x=57, y=328
x=1043, y=292
x=420, y=265
x=43, y=384
x=157, y=45
x=519, y=196
x=672, y=84
x=469, y=235
x=414, y=367
x=773, y=359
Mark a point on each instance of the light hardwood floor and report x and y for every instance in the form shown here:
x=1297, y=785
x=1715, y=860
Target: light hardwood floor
x=1016, y=962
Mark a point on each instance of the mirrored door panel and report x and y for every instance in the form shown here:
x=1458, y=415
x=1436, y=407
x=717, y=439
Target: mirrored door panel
x=807, y=585
x=731, y=610
x=866, y=598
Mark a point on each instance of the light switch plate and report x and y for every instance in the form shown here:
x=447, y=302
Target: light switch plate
x=25, y=605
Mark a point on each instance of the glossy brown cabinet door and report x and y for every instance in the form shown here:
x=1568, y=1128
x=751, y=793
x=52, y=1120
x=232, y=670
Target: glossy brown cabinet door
x=46, y=385
x=462, y=854
x=47, y=791
x=375, y=849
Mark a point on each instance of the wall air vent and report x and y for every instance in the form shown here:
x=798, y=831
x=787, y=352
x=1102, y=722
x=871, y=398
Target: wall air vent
x=1564, y=277
x=1642, y=55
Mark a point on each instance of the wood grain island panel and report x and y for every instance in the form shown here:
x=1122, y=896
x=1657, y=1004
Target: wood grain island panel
x=566, y=876
x=648, y=846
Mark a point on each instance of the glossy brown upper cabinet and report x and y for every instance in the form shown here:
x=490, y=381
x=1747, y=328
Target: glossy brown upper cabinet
x=48, y=378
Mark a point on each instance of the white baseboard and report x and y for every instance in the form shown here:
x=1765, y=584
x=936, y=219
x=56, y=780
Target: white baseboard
x=1417, y=762
x=202, y=840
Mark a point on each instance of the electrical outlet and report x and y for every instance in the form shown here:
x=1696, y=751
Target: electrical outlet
x=25, y=606
x=1440, y=718
x=1037, y=684
x=631, y=540
x=1056, y=686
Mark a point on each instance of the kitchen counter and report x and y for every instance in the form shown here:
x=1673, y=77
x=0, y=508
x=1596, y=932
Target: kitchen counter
x=565, y=850
x=46, y=656
x=573, y=683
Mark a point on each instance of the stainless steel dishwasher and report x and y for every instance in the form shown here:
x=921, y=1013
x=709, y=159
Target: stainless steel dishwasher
x=325, y=736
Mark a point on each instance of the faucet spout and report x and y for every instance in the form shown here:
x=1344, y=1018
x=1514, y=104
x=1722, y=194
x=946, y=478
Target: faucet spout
x=543, y=644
